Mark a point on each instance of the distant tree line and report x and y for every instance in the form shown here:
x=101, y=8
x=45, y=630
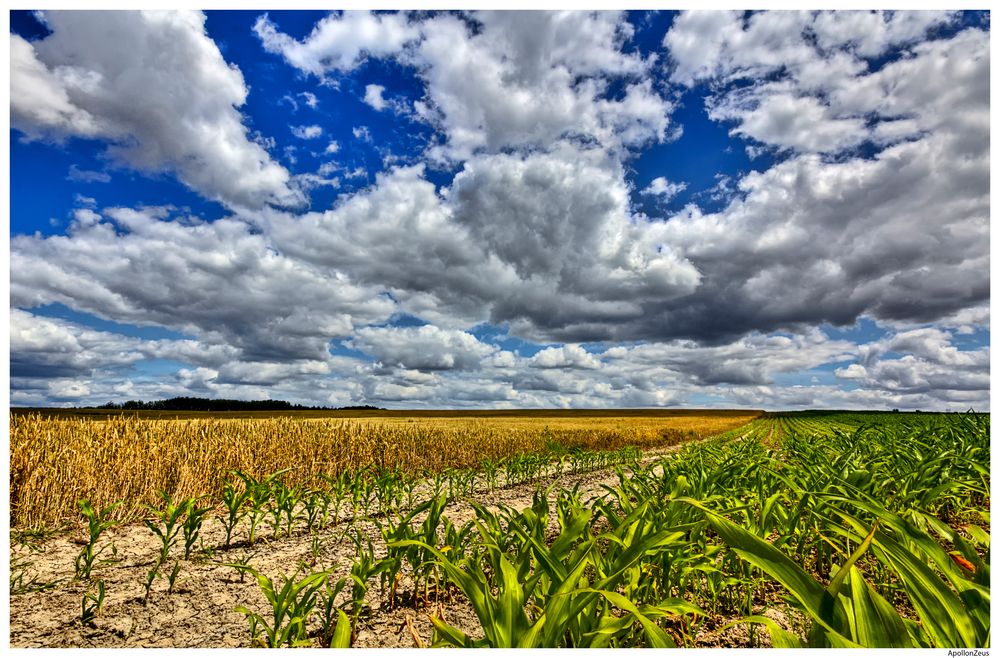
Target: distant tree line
x=206, y=404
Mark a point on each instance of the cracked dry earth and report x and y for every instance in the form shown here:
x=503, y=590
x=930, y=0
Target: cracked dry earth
x=201, y=610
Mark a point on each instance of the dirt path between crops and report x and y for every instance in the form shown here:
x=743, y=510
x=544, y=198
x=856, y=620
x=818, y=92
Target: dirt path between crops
x=200, y=612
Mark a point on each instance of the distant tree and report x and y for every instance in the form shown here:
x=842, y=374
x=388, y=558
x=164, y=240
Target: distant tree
x=207, y=404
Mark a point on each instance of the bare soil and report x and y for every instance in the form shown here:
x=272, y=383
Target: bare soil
x=201, y=610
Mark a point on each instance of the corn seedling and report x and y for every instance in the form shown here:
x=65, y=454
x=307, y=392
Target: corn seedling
x=285, y=500
x=151, y=577
x=394, y=531
x=316, y=547
x=170, y=525
x=363, y=569
x=92, y=604
x=316, y=505
x=24, y=581
x=291, y=605
x=339, y=488
x=234, y=501
x=242, y=565
x=259, y=494
x=335, y=627
x=362, y=494
x=97, y=523
x=172, y=577
x=388, y=485
x=194, y=517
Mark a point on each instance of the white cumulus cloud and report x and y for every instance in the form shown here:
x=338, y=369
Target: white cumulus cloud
x=169, y=104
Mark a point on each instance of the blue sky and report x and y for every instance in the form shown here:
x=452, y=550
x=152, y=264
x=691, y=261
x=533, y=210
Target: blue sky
x=524, y=209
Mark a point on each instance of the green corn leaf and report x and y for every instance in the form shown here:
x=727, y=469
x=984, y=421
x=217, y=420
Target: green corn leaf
x=913, y=535
x=942, y=612
x=948, y=620
x=558, y=609
x=342, y=633
x=813, y=596
x=265, y=585
x=608, y=627
x=845, y=568
x=511, y=621
x=450, y=636
x=876, y=623
x=655, y=636
x=475, y=587
x=979, y=535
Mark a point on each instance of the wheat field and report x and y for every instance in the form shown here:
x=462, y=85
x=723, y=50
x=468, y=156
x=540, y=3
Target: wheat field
x=56, y=461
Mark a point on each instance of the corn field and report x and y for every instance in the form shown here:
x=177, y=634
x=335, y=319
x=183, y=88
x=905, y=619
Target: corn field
x=804, y=530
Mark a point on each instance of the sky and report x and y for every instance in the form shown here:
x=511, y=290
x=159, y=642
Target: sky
x=774, y=210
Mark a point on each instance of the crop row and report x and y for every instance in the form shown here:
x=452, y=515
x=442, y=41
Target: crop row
x=273, y=507
x=871, y=537
x=876, y=537
x=854, y=529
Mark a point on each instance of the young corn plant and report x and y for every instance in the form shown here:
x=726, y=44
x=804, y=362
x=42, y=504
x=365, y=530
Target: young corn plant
x=151, y=577
x=316, y=506
x=364, y=568
x=388, y=490
x=291, y=605
x=438, y=480
x=410, y=485
x=25, y=581
x=172, y=577
x=242, y=565
x=289, y=505
x=394, y=531
x=234, y=500
x=92, y=604
x=259, y=497
x=499, y=602
x=97, y=523
x=283, y=500
x=609, y=611
x=193, y=519
x=535, y=595
x=422, y=564
x=950, y=591
x=461, y=482
x=259, y=494
x=456, y=539
x=339, y=491
x=362, y=494
x=490, y=470
x=335, y=627
x=169, y=524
